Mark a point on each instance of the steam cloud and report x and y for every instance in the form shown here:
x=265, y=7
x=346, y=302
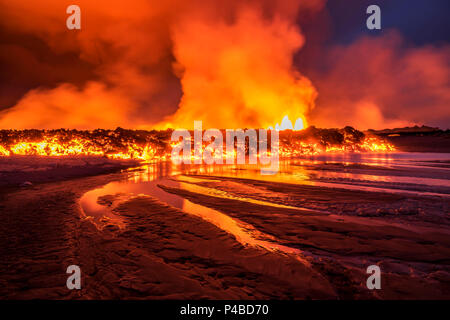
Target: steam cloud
x=380, y=83
x=141, y=50
x=147, y=64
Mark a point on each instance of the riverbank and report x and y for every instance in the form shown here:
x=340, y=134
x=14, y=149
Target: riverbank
x=24, y=171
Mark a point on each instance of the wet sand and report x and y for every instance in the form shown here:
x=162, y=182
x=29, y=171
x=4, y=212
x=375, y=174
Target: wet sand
x=151, y=247
x=162, y=253
x=413, y=253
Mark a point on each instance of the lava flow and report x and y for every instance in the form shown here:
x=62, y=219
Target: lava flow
x=157, y=145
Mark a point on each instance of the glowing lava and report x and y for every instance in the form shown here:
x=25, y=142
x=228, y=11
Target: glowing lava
x=286, y=124
x=157, y=145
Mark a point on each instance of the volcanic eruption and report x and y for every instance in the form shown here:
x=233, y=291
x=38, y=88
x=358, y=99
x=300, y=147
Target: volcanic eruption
x=217, y=54
x=239, y=149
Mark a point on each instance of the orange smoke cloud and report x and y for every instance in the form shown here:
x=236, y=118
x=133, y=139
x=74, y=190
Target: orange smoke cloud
x=68, y=107
x=148, y=63
x=234, y=59
x=378, y=83
x=239, y=74
x=126, y=44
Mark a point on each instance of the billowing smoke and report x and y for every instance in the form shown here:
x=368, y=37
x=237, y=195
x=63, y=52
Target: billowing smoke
x=228, y=63
x=128, y=48
x=243, y=76
x=381, y=83
x=154, y=64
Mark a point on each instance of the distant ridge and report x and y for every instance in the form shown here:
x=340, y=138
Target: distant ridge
x=417, y=139
x=415, y=129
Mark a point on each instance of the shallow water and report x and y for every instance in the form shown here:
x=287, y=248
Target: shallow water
x=126, y=190
x=340, y=173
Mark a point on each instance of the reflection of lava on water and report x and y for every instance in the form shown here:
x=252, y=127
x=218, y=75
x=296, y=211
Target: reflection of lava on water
x=157, y=145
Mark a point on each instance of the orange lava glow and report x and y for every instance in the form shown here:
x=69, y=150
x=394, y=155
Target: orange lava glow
x=3, y=151
x=51, y=146
x=54, y=146
x=239, y=82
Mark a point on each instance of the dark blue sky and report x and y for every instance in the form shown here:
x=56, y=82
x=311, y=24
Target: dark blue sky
x=420, y=21
x=401, y=69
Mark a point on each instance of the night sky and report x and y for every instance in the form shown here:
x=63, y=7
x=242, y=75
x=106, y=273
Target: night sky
x=420, y=22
